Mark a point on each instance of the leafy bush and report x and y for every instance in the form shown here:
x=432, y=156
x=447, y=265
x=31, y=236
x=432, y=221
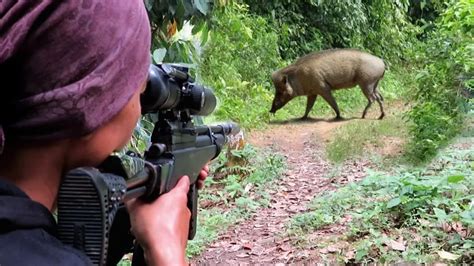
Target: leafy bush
x=306, y=26
x=448, y=73
x=169, y=17
x=238, y=61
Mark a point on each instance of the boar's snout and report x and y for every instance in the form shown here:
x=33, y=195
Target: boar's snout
x=273, y=110
x=275, y=107
x=277, y=104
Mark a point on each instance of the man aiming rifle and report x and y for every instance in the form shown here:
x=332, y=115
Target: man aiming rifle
x=90, y=210
x=71, y=75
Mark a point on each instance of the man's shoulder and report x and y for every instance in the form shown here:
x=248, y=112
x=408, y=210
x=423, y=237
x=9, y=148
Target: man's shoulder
x=37, y=247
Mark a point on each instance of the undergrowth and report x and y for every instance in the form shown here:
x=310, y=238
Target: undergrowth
x=236, y=190
x=418, y=215
x=445, y=83
x=352, y=140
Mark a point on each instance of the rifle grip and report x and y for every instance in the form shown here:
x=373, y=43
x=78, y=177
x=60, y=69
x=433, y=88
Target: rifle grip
x=192, y=205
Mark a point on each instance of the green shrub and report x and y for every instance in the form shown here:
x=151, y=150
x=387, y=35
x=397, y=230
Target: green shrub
x=381, y=27
x=448, y=74
x=238, y=61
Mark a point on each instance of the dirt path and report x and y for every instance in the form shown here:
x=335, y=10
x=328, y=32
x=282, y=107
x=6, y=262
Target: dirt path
x=260, y=239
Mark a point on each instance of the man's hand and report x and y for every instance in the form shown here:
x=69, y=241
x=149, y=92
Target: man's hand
x=202, y=176
x=161, y=227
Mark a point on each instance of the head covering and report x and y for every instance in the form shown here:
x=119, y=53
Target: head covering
x=67, y=67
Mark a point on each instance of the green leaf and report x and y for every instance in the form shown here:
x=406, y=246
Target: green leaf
x=159, y=55
x=202, y=6
x=440, y=214
x=360, y=254
x=204, y=34
x=422, y=5
x=455, y=179
x=198, y=27
x=394, y=202
x=149, y=4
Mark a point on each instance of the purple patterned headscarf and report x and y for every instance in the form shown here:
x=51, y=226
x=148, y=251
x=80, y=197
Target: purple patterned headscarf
x=68, y=66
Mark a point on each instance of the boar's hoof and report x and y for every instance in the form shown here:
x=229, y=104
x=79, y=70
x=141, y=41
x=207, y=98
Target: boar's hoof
x=304, y=117
x=381, y=116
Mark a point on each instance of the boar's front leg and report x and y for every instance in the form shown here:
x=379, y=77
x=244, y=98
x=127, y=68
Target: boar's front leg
x=327, y=95
x=309, y=105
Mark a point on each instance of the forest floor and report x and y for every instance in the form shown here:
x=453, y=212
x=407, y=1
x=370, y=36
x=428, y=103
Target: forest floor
x=261, y=238
x=265, y=236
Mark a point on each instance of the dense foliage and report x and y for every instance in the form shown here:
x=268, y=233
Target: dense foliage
x=238, y=62
x=250, y=39
x=167, y=17
x=445, y=82
x=306, y=26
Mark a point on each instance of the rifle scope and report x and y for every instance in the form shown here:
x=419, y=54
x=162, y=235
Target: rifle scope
x=170, y=87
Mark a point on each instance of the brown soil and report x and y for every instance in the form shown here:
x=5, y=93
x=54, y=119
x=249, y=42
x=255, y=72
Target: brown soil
x=260, y=239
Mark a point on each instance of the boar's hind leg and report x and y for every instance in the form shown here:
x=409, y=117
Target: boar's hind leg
x=379, y=99
x=327, y=95
x=309, y=104
x=369, y=92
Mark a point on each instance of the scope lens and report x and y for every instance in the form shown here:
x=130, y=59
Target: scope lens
x=165, y=91
x=209, y=102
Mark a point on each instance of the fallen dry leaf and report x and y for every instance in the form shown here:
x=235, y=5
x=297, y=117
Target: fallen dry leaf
x=258, y=250
x=400, y=246
x=333, y=249
x=242, y=255
x=447, y=255
x=248, y=187
x=324, y=251
x=235, y=248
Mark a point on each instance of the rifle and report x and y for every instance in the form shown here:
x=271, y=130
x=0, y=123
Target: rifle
x=91, y=212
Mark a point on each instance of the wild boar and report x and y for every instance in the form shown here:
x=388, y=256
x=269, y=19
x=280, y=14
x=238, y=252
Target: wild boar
x=321, y=72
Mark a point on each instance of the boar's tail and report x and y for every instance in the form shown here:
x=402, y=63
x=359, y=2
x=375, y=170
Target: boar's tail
x=387, y=66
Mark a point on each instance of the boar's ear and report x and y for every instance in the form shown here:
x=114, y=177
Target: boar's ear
x=288, y=87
